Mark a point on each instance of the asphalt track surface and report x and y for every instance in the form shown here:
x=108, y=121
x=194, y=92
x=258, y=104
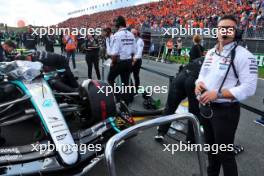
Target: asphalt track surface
x=142, y=156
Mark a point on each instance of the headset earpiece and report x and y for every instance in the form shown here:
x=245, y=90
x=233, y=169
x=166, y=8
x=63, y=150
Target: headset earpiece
x=238, y=34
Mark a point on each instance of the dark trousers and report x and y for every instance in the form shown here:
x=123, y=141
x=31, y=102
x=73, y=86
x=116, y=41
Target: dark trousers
x=221, y=129
x=136, y=70
x=122, y=68
x=93, y=59
x=181, y=87
x=62, y=48
x=179, y=52
x=168, y=54
x=71, y=54
x=49, y=48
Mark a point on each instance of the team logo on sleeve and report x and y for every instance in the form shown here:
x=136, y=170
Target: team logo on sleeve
x=253, y=66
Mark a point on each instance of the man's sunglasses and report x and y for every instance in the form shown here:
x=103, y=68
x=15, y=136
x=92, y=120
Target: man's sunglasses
x=226, y=27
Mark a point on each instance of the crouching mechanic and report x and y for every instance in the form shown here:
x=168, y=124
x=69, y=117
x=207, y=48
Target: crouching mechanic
x=50, y=61
x=182, y=87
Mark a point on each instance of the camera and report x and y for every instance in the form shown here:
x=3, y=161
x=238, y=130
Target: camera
x=206, y=110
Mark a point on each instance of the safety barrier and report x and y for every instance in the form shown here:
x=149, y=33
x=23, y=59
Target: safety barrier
x=249, y=33
x=134, y=130
x=244, y=106
x=115, y=140
x=170, y=77
x=254, y=39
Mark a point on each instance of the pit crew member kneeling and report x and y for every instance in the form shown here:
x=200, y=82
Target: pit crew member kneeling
x=51, y=62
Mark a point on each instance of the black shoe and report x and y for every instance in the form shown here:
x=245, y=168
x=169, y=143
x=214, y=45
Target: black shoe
x=260, y=121
x=238, y=149
x=159, y=137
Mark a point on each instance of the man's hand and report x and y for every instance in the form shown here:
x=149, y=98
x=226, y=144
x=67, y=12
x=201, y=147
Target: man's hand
x=227, y=94
x=208, y=96
x=114, y=60
x=199, y=88
x=29, y=58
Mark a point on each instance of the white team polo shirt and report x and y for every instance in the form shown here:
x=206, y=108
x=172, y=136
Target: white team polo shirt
x=215, y=67
x=140, y=47
x=124, y=44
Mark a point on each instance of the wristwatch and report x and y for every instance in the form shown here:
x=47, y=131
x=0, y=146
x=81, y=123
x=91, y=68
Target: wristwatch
x=220, y=95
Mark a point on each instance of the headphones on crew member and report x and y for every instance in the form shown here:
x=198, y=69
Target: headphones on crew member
x=238, y=34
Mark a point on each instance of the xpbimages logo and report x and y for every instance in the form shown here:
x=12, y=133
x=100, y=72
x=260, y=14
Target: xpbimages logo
x=66, y=148
x=182, y=147
x=182, y=31
x=190, y=31
x=61, y=31
x=149, y=90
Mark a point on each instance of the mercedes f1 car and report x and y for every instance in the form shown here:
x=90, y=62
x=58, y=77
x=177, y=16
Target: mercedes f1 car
x=47, y=131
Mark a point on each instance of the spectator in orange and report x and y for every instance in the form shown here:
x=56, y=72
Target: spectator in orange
x=70, y=47
x=159, y=14
x=201, y=25
x=169, y=46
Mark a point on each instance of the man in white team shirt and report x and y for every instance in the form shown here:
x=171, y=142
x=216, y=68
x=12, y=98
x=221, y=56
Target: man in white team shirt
x=108, y=41
x=122, y=51
x=137, y=60
x=240, y=83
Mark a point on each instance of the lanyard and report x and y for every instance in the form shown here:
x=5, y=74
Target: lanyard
x=229, y=54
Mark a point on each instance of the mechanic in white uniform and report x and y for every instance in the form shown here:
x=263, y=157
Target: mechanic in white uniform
x=108, y=41
x=137, y=60
x=122, y=51
x=240, y=83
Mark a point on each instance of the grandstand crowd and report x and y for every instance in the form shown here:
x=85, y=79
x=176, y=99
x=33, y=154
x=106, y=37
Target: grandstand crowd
x=173, y=13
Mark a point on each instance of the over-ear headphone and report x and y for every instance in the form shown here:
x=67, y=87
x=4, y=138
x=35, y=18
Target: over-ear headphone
x=238, y=34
